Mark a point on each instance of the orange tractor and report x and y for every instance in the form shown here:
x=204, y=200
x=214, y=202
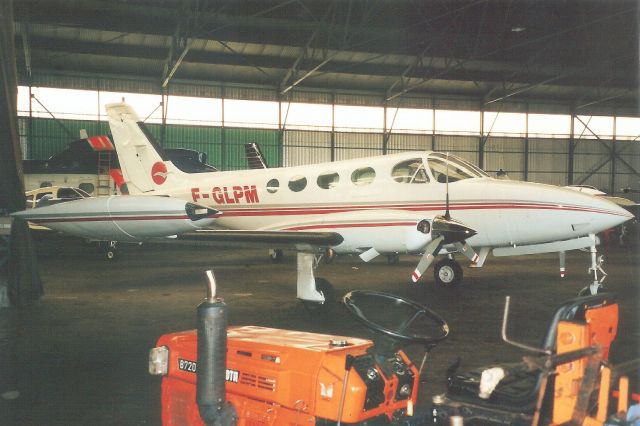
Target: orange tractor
x=263, y=376
x=219, y=375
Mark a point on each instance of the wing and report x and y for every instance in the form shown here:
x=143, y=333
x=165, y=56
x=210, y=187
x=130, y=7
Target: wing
x=298, y=240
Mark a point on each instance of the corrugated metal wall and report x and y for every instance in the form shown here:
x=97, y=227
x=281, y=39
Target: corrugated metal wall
x=549, y=161
x=534, y=159
x=591, y=164
x=507, y=154
x=47, y=136
x=628, y=166
x=406, y=142
x=357, y=145
x=463, y=146
x=233, y=155
x=305, y=147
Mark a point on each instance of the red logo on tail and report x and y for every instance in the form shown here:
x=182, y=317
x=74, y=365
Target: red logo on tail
x=159, y=173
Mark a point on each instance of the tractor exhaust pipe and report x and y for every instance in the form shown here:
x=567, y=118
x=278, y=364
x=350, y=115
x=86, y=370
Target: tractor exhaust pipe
x=212, y=354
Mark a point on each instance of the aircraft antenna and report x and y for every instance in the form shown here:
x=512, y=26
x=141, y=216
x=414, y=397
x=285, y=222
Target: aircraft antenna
x=447, y=215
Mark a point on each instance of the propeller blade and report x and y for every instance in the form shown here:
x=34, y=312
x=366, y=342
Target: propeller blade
x=468, y=251
x=430, y=253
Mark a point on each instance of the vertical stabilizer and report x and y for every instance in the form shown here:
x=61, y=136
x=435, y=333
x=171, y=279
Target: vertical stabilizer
x=143, y=162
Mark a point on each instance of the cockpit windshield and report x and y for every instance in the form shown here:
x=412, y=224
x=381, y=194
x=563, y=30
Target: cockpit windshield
x=456, y=168
x=410, y=171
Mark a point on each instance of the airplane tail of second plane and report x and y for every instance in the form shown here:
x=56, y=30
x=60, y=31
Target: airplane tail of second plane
x=145, y=167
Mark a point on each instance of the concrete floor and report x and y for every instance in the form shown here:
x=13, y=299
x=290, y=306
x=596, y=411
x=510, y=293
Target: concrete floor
x=79, y=355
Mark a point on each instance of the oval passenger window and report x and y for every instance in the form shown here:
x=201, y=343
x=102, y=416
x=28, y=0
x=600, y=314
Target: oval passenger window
x=272, y=186
x=297, y=183
x=363, y=176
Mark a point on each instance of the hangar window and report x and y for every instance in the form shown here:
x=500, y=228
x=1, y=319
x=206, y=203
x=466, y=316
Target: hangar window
x=410, y=171
x=297, y=183
x=328, y=180
x=272, y=186
x=363, y=176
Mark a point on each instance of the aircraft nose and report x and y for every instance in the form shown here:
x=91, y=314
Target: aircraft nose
x=608, y=213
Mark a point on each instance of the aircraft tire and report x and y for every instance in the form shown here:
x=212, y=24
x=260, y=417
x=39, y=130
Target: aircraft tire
x=586, y=291
x=329, y=256
x=393, y=259
x=329, y=293
x=447, y=273
x=276, y=256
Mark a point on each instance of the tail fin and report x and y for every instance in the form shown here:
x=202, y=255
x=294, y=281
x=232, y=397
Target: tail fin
x=254, y=156
x=143, y=162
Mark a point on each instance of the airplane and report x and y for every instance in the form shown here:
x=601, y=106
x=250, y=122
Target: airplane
x=397, y=203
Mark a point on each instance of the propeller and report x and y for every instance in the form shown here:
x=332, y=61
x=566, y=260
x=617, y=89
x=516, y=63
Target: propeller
x=444, y=230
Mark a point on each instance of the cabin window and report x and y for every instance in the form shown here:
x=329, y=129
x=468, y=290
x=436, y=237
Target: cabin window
x=328, y=180
x=87, y=187
x=363, y=176
x=42, y=194
x=272, y=186
x=456, y=168
x=410, y=171
x=297, y=183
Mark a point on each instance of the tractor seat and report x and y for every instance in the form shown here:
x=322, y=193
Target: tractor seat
x=518, y=391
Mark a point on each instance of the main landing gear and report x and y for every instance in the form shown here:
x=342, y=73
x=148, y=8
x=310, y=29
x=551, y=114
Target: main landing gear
x=447, y=272
x=316, y=294
x=109, y=248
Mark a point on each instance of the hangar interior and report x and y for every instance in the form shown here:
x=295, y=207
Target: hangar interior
x=489, y=64
x=544, y=91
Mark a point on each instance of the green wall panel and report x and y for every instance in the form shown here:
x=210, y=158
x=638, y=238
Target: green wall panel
x=198, y=138
x=224, y=146
x=233, y=146
x=48, y=136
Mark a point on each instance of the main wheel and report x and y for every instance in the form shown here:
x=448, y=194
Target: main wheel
x=276, y=255
x=322, y=308
x=111, y=250
x=393, y=259
x=447, y=272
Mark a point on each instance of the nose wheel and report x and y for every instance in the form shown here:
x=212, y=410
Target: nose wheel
x=447, y=272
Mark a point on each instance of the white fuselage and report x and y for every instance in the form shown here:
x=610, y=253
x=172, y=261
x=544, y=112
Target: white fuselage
x=383, y=212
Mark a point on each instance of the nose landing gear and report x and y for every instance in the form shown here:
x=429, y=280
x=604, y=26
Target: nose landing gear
x=596, y=266
x=447, y=272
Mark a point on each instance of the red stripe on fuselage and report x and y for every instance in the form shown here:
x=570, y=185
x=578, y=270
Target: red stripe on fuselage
x=282, y=211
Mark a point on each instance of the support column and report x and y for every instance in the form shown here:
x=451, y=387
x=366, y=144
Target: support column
x=333, y=127
x=526, y=143
x=571, y=150
x=614, y=155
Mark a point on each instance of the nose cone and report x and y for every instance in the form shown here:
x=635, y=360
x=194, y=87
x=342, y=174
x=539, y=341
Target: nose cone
x=603, y=213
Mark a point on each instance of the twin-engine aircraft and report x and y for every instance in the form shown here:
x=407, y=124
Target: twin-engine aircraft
x=426, y=203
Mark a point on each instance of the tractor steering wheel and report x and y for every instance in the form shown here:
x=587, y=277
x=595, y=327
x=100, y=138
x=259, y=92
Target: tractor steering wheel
x=395, y=316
